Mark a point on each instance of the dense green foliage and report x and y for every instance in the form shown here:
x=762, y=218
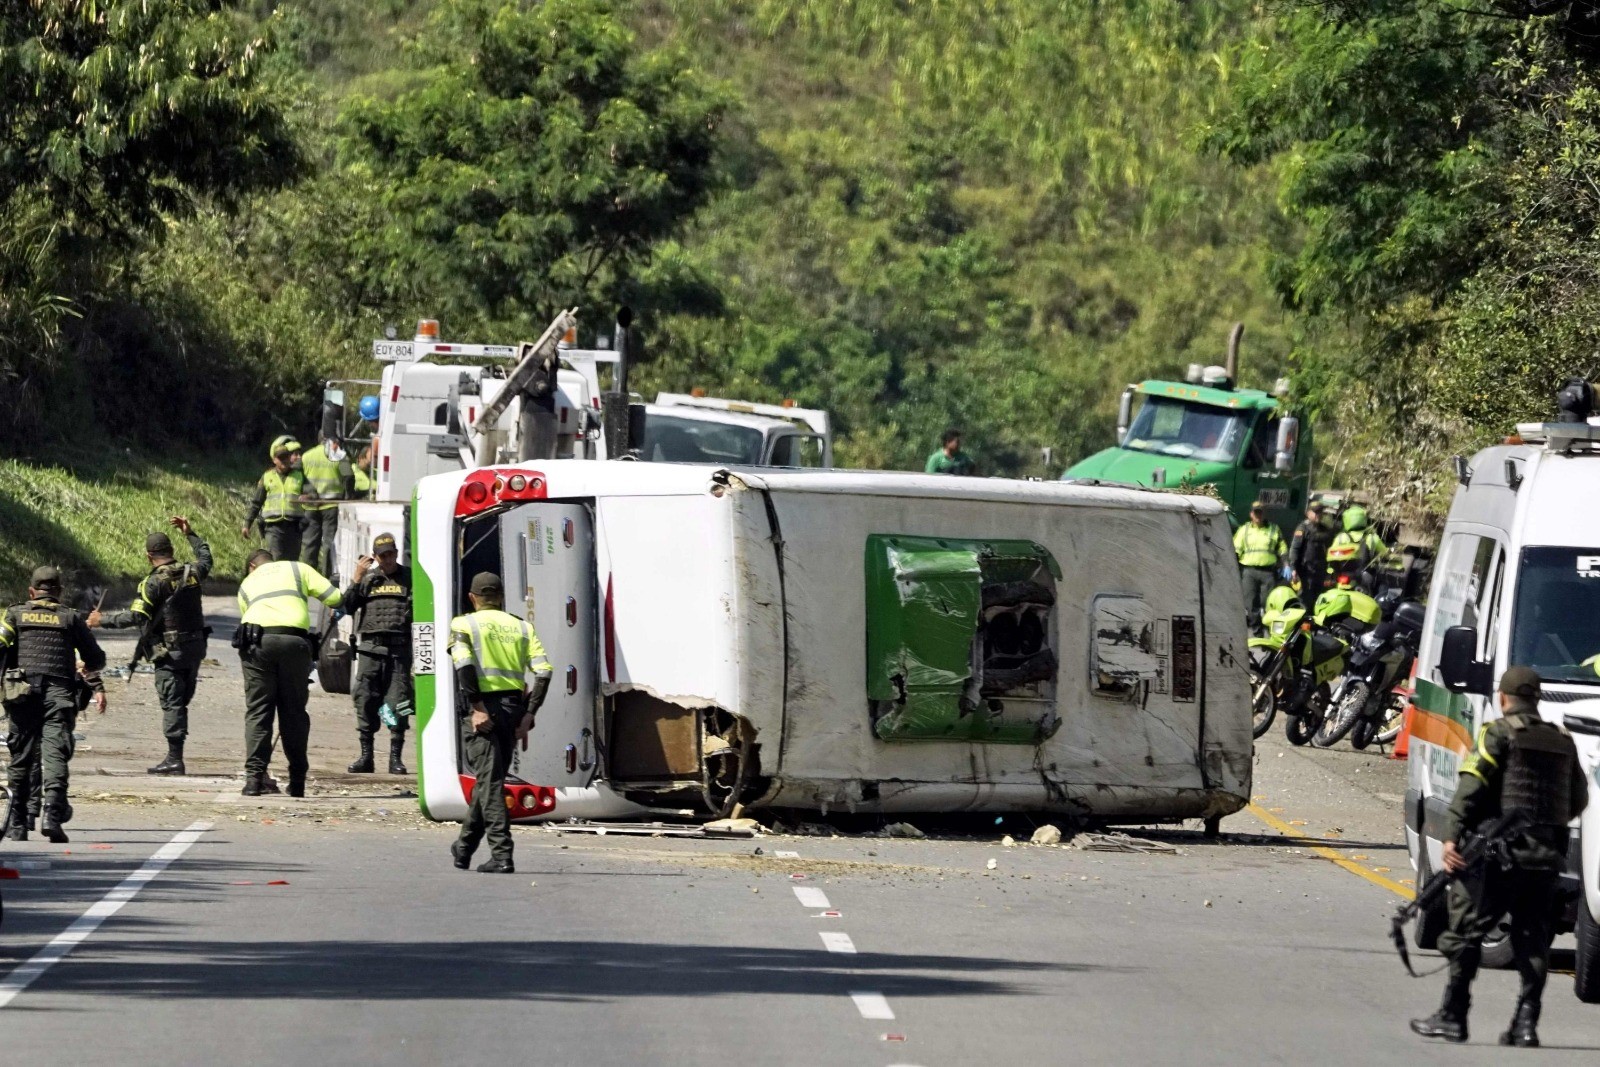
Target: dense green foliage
x=1442, y=160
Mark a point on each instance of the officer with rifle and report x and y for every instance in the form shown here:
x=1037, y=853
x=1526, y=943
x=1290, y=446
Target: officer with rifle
x=172, y=621
x=41, y=641
x=380, y=600
x=1517, y=792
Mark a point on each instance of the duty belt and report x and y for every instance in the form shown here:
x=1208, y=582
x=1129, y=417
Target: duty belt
x=174, y=637
x=290, y=631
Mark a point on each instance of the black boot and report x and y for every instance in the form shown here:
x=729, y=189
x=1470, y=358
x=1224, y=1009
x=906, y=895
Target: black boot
x=460, y=854
x=496, y=867
x=18, y=826
x=1450, y=1021
x=1524, y=1031
x=297, y=783
x=363, y=764
x=397, y=748
x=50, y=826
x=173, y=764
x=252, y=785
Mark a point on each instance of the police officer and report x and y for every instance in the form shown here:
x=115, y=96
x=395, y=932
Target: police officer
x=492, y=652
x=1308, y=551
x=275, y=653
x=1522, y=764
x=362, y=474
x=1260, y=548
x=1355, y=549
x=168, y=609
x=329, y=478
x=277, y=501
x=41, y=642
x=379, y=598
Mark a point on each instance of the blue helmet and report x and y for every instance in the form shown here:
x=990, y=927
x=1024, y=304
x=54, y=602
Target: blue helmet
x=369, y=408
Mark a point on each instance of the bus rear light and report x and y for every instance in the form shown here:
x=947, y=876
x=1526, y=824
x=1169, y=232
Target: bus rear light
x=572, y=680
x=486, y=488
x=522, y=800
x=572, y=611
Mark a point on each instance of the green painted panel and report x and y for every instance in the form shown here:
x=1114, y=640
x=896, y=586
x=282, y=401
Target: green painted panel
x=958, y=639
x=425, y=685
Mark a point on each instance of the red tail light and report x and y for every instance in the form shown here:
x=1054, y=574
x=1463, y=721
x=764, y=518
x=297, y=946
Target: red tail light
x=610, y=634
x=488, y=487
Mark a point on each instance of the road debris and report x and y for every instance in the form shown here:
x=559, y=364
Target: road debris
x=1008, y=842
x=903, y=829
x=992, y=864
x=1120, y=842
x=1047, y=834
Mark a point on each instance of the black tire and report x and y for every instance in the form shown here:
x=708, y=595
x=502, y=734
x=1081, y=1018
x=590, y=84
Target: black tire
x=335, y=665
x=1365, y=732
x=1299, y=729
x=1342, y=718
x=1586, y=970
x=1431, y=922
x=1263, y=700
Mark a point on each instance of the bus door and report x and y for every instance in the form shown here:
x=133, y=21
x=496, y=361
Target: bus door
x=547, y=561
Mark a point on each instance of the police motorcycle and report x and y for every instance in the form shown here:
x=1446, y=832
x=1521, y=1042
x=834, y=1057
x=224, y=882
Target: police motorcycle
x=1364, y=703
x=1294, y=664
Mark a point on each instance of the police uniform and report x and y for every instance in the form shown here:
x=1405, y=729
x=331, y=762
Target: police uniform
x=381, y=606
x=1308, y=556
x=168, y=608
x=492, y=652
x=1521, y=764
x=277, y=504
x=41, y=642
x=1352, y=553
x=1259, y=548
x=328, y=481
x=275, y=655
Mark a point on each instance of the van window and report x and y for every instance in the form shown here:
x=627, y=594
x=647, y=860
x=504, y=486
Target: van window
x=1467, y=582
x=797, y=450
x=1556, y=626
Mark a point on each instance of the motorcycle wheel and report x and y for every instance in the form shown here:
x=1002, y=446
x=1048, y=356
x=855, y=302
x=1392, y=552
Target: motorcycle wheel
x=1299, y=729
x=1363, y=734
x=1394, y=718
x=1263, y=700
x=1344, y=716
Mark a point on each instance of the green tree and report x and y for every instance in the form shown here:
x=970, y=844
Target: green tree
x=539, y=163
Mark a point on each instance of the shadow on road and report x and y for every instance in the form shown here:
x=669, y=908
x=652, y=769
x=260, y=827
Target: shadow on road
x=519, y=971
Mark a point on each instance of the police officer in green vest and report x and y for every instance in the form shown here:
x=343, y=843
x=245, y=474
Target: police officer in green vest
x=329, y=479
x=1259, y=545
x=1525, y=764
x=492, y=652
x=363, y=474
x=277, y=501
x=41, y=642
x=274, y=644
x=168, y=609
x=379, y=599
x=1356, y=549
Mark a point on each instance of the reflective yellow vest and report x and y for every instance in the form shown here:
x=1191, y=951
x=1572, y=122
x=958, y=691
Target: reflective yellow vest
x=363, y=483
x=501, y=646
x=283, y=495
x=1258, y=546
x=274, y=594
x=324, y=476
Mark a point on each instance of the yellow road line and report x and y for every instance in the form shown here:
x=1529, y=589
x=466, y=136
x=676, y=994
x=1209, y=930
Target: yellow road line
x=1329, y=854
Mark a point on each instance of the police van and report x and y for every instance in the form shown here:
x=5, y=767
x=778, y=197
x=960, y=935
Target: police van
x=1517, y=581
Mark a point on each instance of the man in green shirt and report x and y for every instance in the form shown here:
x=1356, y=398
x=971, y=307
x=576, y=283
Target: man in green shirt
x=949, y=459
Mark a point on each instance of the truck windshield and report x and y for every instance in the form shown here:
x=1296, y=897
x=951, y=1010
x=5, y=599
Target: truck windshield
x=670, y=439
x=1171, y=427
x=1557, y=622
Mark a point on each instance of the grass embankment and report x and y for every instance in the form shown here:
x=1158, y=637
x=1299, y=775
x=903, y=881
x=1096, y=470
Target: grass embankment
x=87, y=512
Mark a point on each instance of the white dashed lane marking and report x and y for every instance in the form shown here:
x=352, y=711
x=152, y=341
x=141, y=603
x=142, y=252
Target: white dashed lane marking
x=107, y=906
x=811, y=898
x=835, y=941
x=872, y=1005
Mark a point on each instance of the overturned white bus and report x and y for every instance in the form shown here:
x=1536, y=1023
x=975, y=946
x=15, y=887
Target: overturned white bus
x=864, y=641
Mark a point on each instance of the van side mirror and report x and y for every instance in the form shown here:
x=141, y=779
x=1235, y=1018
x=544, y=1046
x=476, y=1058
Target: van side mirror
x=1288, y=443
x=1459, y=666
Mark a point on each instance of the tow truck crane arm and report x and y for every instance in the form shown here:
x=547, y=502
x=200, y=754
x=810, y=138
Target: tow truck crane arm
x=487, y=427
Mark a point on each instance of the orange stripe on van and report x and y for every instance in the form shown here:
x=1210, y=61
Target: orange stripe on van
x=1440, y=730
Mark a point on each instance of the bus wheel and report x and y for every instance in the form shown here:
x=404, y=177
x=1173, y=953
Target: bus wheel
x=1586, y=980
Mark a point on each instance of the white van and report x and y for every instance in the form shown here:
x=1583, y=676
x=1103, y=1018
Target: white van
x=1517, y=582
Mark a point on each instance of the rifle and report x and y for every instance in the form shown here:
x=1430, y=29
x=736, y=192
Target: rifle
x=1490, y=842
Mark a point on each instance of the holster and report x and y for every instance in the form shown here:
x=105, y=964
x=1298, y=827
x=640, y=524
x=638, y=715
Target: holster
x=247, y=637
x=16, y=686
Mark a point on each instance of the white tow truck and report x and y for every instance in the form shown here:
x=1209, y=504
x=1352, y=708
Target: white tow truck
x=448, y=407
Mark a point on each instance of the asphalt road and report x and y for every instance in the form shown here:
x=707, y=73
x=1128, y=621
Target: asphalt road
x=1255, y=948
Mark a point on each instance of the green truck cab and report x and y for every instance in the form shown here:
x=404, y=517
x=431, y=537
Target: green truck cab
x=1245, y=442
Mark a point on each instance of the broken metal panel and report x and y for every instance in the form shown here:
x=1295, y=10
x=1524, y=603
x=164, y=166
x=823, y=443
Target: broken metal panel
x=960, y=639
x=652, y=740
